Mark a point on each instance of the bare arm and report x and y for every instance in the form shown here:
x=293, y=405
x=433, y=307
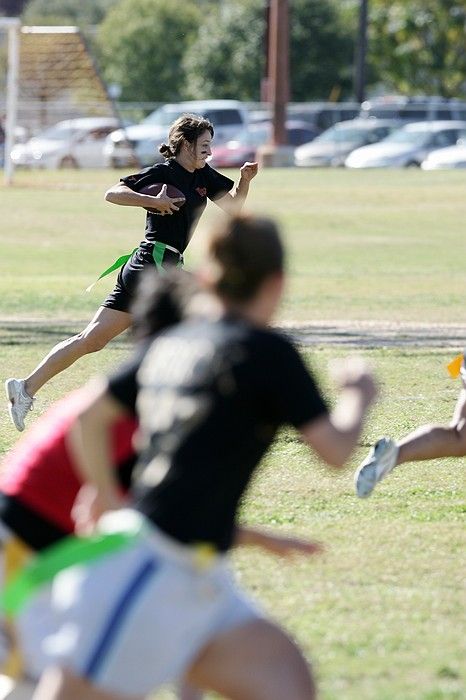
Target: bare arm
x=124, y=196
x=334, y=436
x=273, y=543
x=232, y=203
x=89, y=442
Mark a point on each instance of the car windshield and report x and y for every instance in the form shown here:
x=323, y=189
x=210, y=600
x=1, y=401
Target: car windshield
x=414, y=138
x=163, y=116
x=57, y=133
x=348, y=135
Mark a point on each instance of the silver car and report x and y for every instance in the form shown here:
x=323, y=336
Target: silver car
x=333, y=145
x=137, y=145
x=73, y=143
x=448, y=158
x=408, y=146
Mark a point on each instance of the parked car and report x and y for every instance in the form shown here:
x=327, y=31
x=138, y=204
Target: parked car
x=74, y=143
x=414, y=109
x=20, y=135
x=234, y=153
x=447, y=158
x=317, y=115
x=138, y=145
x=332, y=146
x=408, y=146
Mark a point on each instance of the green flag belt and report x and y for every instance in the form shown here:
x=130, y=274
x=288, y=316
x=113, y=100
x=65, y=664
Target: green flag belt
x=68, y=552
x=158, y=252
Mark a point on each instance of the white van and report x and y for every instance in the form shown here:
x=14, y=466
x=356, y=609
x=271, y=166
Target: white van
x=138, y=145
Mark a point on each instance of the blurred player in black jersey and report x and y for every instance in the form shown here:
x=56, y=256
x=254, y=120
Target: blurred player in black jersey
x=213, y=390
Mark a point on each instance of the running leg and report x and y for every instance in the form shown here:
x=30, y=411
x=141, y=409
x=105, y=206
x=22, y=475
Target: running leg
x=106, y=324
x=255, y=661
x=425, y=442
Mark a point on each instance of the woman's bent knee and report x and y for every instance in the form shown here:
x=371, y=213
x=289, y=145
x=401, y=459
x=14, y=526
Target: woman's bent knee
x=90, y=341
x=106, y=325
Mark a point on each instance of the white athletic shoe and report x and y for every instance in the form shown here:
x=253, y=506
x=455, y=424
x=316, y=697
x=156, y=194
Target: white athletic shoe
x=378, y=463
x=19, y=401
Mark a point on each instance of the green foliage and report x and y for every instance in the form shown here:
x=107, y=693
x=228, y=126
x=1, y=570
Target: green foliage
x=321, y=55
x=142, y=44
x=228, y=57
x=418, y=47
x=56, y=12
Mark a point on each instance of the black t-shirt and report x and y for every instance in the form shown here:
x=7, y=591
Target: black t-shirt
x=212, y=396
x=177, y=229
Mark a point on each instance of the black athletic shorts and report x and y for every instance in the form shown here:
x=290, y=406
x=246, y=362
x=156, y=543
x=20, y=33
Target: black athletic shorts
x=124, y=291
x=36, y=531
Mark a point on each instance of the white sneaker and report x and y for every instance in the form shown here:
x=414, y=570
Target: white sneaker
x=378, y=463
x=20, y=401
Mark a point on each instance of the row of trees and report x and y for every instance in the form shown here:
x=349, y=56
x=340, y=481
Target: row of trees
x=164, y=51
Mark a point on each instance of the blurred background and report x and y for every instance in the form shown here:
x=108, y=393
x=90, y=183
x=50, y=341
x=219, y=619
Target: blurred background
x=365, y=83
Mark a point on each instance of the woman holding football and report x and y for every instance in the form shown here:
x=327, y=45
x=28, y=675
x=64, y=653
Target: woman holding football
x=167, y=234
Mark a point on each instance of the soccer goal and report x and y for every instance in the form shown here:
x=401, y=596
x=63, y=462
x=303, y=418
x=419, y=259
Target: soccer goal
x=12, y=26
x=51, y=77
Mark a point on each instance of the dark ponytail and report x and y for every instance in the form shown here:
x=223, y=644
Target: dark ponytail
x=161, y=301
x=242, y=254
x=166, y=151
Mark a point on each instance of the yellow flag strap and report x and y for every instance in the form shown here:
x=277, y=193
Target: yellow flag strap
x=454, y=367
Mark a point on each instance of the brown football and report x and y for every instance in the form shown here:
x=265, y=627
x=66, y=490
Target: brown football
x=172, y=191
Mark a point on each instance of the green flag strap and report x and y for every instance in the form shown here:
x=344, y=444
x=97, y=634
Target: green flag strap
x=68, y=552
x=158, y=252
x=119, y=262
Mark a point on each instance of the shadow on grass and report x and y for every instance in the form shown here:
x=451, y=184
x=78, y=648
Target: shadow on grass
x=37, y=332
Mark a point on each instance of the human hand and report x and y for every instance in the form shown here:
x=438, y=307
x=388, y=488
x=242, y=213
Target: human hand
x=89, y=505
x=163, y=204
x=354, y=372
x=249, y=171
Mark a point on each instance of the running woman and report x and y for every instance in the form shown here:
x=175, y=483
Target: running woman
x=40, y=478
x=39, y=485
x=213, y=392
x=167, y=234
x=426, y=442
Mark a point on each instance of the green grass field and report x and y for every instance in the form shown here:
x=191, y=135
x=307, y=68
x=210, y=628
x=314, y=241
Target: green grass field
x=382, y=613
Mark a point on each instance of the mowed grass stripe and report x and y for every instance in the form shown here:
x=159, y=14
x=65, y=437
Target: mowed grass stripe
x=372, y=245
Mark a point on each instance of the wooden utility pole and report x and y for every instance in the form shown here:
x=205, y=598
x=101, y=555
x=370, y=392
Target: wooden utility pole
x=361, y=52
x=279, y=67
